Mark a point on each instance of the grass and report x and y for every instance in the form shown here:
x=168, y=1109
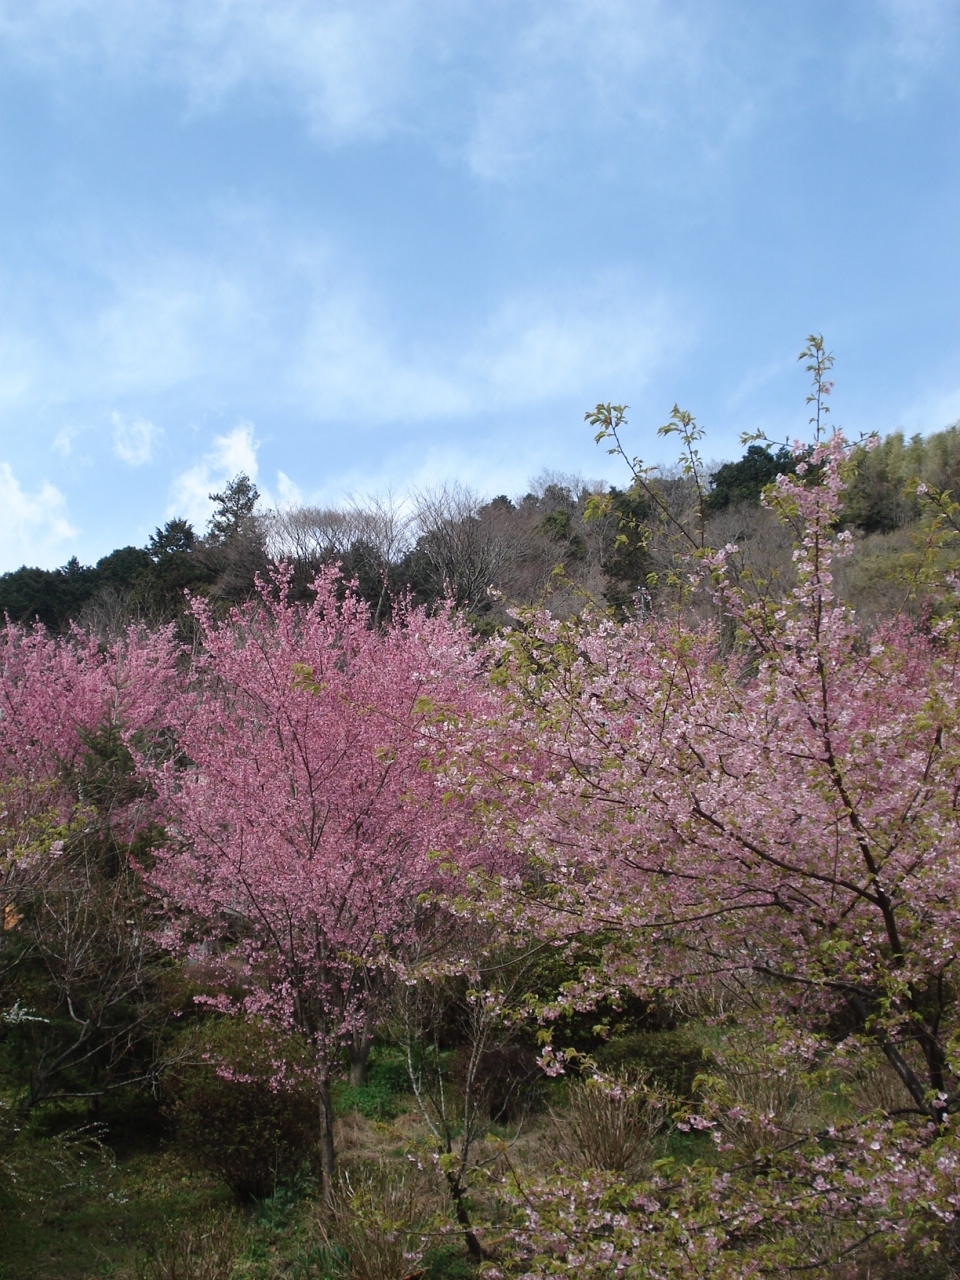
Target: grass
x=134, y=1212
x=138, y=1213
x=384, y=1093
x=101, y=1224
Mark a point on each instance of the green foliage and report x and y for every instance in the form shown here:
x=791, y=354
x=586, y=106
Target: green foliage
x=881, y=494
x=34, y=1167
x=79, y=962
x=145, y=582
x=610, y=1123
x=50, y=596
x=230, y=1113
x=176, y=537
x=384, y=1091
x=177, y=566
x=627, y=565
x=609, y=420
x=671, y=1059
x=120, y=568
x=378, y=1227
x=744, y=481
x=233, y=516
x=560, y=526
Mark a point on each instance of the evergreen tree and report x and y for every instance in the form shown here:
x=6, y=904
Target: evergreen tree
x=235, y=507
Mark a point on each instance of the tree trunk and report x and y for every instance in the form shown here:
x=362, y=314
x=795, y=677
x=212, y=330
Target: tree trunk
x=359, y=1057
x=328, y=1163
x=474, y=1248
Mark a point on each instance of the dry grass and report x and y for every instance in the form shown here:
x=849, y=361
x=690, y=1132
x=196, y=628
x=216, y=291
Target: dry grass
x=877, y=1087
x=195, y=1253
x=764, y=1102
x=611, y=1124
x=381, y=1222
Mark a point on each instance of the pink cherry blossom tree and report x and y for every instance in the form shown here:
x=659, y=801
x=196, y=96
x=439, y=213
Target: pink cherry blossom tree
x=307, y=824
x=57, y=693
x=76, y=945
x=780, y=817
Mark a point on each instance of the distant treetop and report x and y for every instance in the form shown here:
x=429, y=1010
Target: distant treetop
x=744, y=481
x=235, y=508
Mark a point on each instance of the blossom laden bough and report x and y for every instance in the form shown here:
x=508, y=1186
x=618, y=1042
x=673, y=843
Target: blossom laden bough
x=779, y=816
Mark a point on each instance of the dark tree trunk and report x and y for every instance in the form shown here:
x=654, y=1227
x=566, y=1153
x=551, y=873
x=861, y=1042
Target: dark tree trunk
x=328, y=1163
x=474, y=1248
x=359, y=1057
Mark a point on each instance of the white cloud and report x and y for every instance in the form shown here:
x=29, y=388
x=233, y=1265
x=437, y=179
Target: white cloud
x=32, y=525
x=494, y=82
x=231, y=454
x=903, y=43
x=628, y=68
x=18, y=358
x=63, y=441
x=133, y=442
x=506, y=85
x=918, y=29
x=150, y=319
x=351, y=364
x=579, y=340
x=585, y=339
x=938, y=409
x=166, y=320
x=347, y=63
x=178, y=324
x=289, y=494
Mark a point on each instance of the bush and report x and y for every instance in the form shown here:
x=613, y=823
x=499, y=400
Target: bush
x=35, y=1167
x=193, y=1253
x=610, y=1124
x=672, y=1059
x=379, y=1226
x=506, y=1082
x=380, y=1097
x=231, y=1115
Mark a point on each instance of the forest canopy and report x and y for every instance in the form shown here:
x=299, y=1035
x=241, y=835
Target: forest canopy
x=451, y=540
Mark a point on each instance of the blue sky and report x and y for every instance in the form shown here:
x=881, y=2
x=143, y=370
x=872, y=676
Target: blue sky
x=378, y=244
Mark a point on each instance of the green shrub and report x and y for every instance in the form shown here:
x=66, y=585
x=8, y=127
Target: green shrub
x=613, y=1124
x=671, y=1059
x=380, y=1096
x=372, y=1099
x=231, y=1116
x=36, y=1166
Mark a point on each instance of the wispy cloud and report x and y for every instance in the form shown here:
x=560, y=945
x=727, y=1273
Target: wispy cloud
x=919, y=31
x=905, y=43
x=171, y=325
x=589, y=336
x=19, y=357
x=133, y=441
x=149, y=319
x=347, y=66
x=63, y=442
x=574, y=71
x=507, y=85
x=511, y=78
x=289, y=494
x=33, y=526
x=231, y=454
x=532, y=348
x=937, y=409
